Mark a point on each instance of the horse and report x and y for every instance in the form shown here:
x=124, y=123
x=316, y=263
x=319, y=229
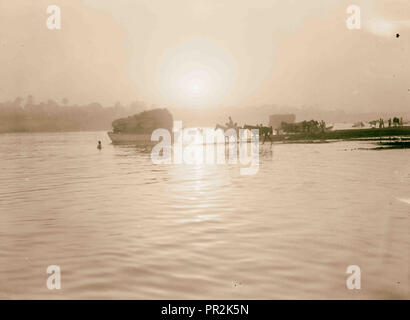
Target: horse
x=225, y=129
x=266, y=132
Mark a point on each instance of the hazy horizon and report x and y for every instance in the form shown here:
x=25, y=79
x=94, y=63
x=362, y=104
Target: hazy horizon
x=201, y=56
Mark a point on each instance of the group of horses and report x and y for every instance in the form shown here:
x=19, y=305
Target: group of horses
x=265, y=132
x=311, y=126
x=306, y=127
x=395, y=122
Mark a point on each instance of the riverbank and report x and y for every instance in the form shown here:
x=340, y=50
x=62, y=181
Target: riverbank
x=349, y=134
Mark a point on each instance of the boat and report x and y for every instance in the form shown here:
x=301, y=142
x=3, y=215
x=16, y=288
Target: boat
x=137, y=129
x=129, y=138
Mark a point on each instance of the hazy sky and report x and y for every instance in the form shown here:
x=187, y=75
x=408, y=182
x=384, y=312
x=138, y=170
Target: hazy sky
x=199, y=53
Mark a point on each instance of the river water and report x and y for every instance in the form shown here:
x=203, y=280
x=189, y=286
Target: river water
x=119, y=226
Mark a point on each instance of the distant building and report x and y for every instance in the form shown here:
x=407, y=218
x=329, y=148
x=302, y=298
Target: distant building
x=276, y=120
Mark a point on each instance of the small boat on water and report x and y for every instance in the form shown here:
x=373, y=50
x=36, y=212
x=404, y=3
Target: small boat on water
x=128, y=138
x=137, y=129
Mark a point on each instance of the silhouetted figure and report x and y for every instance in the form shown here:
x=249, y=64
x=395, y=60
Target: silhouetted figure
x=397, y=35
x=322, y=126
x=99, y=146
x=230, y=123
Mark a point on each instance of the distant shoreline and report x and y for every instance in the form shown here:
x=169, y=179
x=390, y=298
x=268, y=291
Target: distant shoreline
x=346, y=134
x=53, y=131
x=341, y=134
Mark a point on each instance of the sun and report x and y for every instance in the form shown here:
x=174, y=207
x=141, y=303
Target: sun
x=196, y=83
x=196, y=73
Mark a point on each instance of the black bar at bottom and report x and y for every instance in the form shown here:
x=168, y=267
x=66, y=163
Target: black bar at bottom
x=205, y=309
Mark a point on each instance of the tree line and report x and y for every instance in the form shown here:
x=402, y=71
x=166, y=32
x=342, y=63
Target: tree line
x=25, y=115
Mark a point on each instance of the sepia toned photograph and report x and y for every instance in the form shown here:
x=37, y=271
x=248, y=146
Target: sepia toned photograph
x=204, y=150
